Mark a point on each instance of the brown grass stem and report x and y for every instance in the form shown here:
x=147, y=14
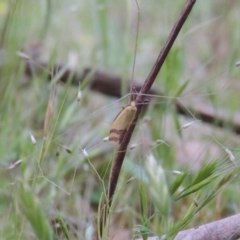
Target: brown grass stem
x=140, y=99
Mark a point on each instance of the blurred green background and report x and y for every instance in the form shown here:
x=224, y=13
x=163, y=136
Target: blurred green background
x=55, y=192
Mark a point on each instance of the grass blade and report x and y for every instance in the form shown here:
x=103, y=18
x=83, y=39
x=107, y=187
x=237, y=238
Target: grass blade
x=34, y=213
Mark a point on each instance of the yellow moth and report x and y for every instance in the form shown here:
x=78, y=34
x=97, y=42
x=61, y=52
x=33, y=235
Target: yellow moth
x=122, y=123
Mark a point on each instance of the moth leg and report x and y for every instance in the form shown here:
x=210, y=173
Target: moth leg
x=145, y=101
x=134, y=94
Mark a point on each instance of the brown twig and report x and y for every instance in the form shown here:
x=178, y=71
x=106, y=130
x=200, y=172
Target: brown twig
x=140, y=98
x=110, y=85
x=224, y=229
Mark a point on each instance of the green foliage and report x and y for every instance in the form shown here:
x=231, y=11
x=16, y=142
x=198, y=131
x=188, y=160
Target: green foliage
x=172, y=69
x=204, y=177
x=34, y=213
x=177, y=182
x=68, y=182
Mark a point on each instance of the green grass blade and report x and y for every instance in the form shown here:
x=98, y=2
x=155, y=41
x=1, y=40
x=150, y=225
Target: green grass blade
x=144, y=209
x=205, y=172
x=181, y=89
x=34, y=213
x=181, y=223
x=176, y=184
x=64, y=227
x=193, y=188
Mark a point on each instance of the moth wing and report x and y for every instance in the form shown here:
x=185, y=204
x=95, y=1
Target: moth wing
x=121, y=123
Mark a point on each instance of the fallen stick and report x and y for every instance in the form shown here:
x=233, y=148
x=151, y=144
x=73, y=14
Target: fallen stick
x=224, y=229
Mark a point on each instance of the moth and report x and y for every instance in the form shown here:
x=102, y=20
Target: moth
x=122, y=123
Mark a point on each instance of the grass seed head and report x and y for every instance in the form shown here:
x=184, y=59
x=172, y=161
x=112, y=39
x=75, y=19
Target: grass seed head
x=15, y=164
x=237, y=64
x=84, y=152
x=34, y=141
x=176, y=172
x=134, y=145
x=106, y=139
x=68, y=150
x=79, y=96
x=23, y=55
x=230, y=155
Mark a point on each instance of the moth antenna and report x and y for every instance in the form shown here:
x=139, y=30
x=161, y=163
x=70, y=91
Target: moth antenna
x=135, y=49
